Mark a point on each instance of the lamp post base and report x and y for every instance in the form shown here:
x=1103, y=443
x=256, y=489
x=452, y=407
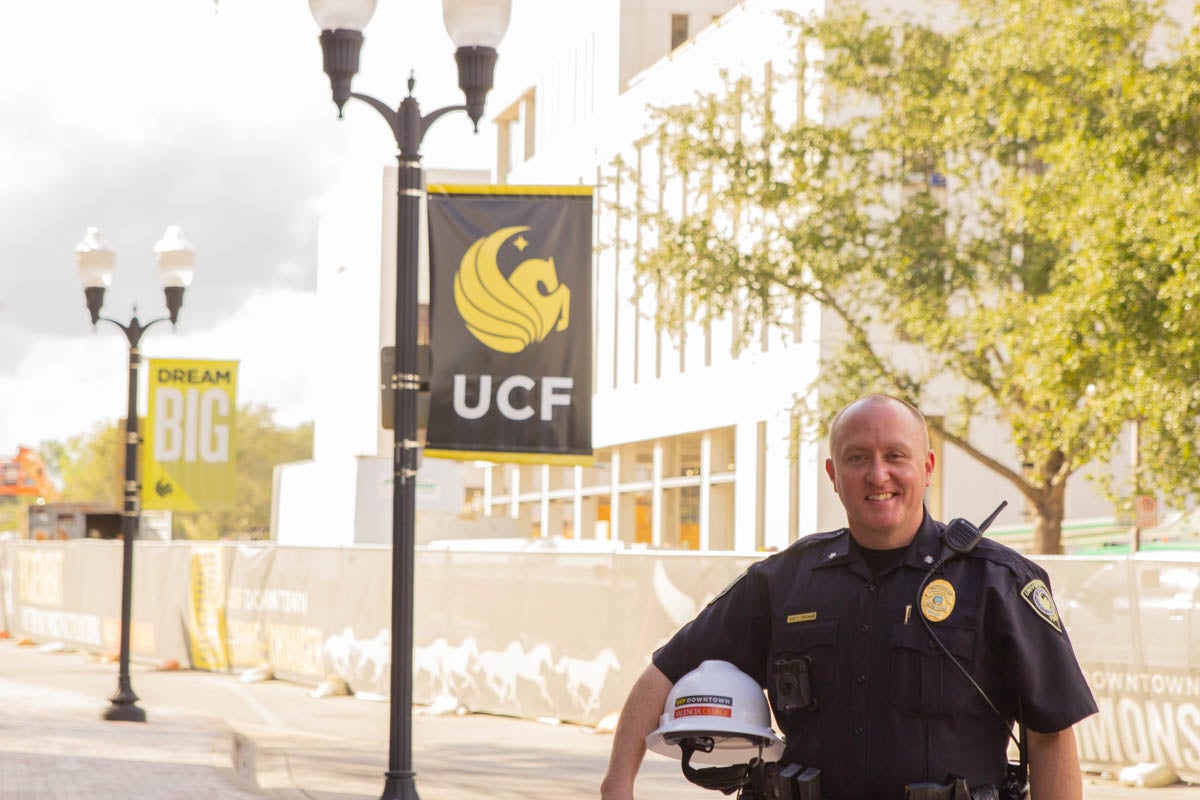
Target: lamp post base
x=123, y=707
x=121, y=713
x=400, y=786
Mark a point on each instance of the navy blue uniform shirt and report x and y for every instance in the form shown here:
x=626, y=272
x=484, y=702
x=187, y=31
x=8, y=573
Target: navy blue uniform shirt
x=891, y=709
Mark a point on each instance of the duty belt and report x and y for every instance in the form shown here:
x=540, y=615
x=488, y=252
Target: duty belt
x=952, y=789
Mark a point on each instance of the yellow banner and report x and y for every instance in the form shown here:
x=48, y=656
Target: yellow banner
x=207, y=635
x=188, y=450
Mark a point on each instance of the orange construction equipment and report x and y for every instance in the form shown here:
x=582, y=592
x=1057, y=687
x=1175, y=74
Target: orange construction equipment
x=26, y=476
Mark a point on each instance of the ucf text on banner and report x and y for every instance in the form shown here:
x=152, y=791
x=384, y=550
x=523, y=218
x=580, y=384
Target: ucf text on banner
x=510, y=323
x=188, y=454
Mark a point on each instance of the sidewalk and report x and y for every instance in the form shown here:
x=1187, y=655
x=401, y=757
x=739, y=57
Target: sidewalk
x=211, y=736
x=53, y=744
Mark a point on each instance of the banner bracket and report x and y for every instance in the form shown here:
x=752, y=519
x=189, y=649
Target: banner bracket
x=405, y=380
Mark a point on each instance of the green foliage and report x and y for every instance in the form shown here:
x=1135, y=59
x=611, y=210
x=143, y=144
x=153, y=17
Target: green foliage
x=92, y=469
x=1002, y=210
x=13, y=511
x=92, y=465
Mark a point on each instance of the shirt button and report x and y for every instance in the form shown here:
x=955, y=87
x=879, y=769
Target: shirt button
x=864, y=628
x=861, y=679
x=858, y=731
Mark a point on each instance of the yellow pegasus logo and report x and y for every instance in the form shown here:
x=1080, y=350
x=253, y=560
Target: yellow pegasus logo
x=509, y=314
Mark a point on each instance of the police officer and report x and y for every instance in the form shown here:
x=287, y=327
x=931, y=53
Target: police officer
x=880, y=706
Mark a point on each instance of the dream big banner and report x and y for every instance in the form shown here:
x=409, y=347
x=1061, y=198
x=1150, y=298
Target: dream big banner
x=510, y=323
x=187, y=454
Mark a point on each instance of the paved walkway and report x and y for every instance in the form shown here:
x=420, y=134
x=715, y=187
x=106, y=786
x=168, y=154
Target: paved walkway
x=54, y=744
x=212, y=736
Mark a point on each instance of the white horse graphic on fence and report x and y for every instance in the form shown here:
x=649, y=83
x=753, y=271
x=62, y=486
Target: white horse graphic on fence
x=361, y=662
x=502, y=669
x=448, y=667
x=587, y=675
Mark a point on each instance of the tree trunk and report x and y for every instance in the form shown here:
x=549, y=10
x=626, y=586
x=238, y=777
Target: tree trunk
x=1048, y=517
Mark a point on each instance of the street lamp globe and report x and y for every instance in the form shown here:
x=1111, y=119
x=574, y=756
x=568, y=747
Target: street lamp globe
x=476, y=23
x=95, y=260
x=345, y=15
x=176, y=260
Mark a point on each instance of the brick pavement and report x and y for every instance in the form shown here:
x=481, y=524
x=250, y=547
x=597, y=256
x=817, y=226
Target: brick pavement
x=54, y=744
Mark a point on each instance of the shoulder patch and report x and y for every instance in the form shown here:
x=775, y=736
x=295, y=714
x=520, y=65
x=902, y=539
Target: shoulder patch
x=1037, y=595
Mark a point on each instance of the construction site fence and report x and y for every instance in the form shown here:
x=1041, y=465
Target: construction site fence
x=550, y=634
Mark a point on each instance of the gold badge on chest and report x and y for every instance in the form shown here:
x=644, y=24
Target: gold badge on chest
x=937, y=601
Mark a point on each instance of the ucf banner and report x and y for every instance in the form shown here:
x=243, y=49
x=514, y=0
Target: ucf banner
x=187, y=455
x=510, y=323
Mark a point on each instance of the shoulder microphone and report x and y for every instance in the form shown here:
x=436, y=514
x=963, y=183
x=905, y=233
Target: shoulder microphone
x=960, y=536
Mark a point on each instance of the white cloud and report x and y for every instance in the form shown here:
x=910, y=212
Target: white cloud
x=63, y=386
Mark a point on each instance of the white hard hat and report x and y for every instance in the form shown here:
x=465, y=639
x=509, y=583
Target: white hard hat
x=717, y=701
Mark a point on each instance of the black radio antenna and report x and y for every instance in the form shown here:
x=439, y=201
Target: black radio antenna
x=983, y=526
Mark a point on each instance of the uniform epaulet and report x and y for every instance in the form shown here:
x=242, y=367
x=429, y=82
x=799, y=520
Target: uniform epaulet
x=797, y=547
x=991, y=550
x=804, y=543
x=816, y=538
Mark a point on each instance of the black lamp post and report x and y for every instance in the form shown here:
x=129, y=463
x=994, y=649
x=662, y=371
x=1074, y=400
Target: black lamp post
x=476, y=26
x=95, y=258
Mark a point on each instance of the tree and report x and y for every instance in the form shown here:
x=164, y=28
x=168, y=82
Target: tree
x=92, y=469
x=92, y=465
x=997, y=212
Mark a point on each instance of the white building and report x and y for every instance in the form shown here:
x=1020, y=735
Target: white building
x=693, y=434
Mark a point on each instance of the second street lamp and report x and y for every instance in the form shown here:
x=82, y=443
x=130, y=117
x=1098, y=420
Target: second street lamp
x=95, y=259
x=476, y=27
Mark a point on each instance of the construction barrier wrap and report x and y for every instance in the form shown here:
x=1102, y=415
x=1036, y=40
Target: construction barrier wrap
x=1135, y=625
x=7, y=586
x=547, y=633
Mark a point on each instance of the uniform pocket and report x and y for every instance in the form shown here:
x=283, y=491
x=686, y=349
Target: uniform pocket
x=924, y=681
x=810, y=648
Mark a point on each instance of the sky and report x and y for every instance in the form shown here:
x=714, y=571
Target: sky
x=213, y=116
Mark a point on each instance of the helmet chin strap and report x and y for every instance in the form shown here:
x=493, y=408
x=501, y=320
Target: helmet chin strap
x=726, y=780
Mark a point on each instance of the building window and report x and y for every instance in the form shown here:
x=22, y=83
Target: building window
x=515, y=130
x=693, y=488
x=679, y=29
